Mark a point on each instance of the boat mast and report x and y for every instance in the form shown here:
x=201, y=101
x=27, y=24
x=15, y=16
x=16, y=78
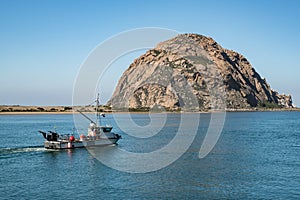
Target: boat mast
x=97, y=111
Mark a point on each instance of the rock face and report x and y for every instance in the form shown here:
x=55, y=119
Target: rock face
x=194, y=72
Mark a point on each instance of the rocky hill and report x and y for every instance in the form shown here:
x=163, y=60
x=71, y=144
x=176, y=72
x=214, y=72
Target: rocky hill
x=192, y=71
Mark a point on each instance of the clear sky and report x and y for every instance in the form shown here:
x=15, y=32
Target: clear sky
x=43, y=43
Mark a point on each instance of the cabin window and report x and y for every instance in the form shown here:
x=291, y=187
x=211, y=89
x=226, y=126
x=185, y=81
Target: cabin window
x=105, y=130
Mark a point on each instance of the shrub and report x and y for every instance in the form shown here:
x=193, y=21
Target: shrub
x=267, y=104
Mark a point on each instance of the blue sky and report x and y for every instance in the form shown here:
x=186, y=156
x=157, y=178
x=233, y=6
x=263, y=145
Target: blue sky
x=43, y=43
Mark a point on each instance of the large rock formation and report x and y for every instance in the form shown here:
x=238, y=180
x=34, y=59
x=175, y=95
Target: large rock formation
x=194, y=72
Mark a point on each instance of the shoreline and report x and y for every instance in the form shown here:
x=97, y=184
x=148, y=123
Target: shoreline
x=142, y=112
x=34, y=113
x=67, y=110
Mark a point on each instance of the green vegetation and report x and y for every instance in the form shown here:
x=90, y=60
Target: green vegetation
x=156, y=52
x=40, y=109
x=269, y=105
x=67, y=108
x=141, y=109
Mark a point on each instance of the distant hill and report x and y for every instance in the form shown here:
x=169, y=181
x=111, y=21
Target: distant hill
x=162, y=76
x=200, y=61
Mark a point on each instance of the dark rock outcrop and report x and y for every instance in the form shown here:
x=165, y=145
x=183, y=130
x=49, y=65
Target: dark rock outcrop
x=194, y=72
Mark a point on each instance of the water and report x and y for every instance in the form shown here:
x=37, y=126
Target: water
x=256, y=157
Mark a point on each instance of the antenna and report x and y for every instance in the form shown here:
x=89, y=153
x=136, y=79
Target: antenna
x=97, y=110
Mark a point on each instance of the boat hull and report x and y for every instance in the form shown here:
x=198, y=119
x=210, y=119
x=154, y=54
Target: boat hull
x=79, y=144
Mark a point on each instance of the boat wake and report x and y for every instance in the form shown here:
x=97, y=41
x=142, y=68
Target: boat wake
x=16, y=150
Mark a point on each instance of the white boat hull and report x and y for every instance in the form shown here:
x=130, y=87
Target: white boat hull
x=79, y=144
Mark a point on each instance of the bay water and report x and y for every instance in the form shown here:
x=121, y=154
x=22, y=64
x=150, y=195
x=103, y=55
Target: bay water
x=257, y=156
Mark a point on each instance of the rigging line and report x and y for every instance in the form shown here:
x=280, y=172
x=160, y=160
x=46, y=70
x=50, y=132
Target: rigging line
x=91, y=103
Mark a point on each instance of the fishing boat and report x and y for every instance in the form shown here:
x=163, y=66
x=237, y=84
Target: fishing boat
x=97, y=135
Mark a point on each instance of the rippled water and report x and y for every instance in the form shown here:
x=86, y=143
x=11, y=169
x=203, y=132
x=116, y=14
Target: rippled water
x=257, y=156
